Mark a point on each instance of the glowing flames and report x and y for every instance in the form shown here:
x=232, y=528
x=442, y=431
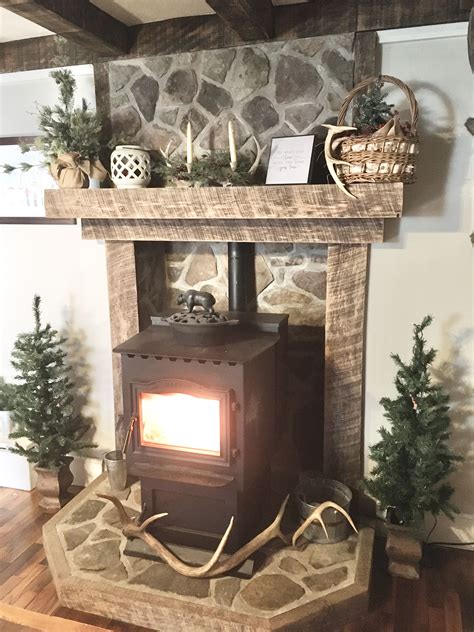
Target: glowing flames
x=176, y=421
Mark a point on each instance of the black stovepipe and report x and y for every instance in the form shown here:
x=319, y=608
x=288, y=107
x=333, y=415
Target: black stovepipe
x=241, y=276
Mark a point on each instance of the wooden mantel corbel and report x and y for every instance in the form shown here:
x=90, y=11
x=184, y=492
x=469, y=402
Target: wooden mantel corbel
x=305, y=214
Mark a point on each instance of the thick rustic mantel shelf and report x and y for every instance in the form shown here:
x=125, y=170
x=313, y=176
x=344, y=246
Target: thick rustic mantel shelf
x=321, y=201
x=300, y=213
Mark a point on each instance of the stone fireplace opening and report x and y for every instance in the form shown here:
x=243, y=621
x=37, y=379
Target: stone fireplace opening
x=285, y=278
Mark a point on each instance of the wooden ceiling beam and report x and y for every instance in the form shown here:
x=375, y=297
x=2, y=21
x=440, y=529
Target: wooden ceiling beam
x=324, y=17
x=374, y=15
x=250, y=19
x=77, y=20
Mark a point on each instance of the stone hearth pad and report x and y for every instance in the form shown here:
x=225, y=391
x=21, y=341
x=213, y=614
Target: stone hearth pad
x=323, y=585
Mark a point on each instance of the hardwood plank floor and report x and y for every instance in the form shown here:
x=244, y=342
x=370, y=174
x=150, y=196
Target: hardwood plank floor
x=441, y=601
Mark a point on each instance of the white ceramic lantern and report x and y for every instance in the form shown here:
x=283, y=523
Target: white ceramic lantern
x=130, y=167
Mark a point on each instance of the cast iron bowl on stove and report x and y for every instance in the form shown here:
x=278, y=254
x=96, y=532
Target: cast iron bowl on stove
x=201, y=328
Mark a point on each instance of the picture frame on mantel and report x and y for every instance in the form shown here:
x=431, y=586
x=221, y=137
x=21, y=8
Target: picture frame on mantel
x=291, y=160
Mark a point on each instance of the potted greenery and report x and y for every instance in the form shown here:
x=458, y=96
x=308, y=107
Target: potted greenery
x=413, y=459
x=44, y=410
x=70, y=138
x=379, y=147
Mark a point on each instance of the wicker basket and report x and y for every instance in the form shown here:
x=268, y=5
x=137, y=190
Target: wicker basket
x=378, y=158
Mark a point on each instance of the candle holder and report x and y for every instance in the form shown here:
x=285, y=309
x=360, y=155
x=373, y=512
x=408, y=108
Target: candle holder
x=130, y=167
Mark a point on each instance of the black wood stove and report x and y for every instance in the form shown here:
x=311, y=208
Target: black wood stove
x=206, y=420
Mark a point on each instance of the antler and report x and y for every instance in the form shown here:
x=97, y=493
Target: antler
x=317, y=515
x=131, y=530
x=270, y=533
x=166, y=153
x=212, y=568
x=258, y=156
x=330, y=160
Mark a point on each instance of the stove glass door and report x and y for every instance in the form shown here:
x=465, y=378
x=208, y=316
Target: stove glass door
x=182, y=422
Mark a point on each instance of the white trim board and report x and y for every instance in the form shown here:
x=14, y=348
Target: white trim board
x=433, y=31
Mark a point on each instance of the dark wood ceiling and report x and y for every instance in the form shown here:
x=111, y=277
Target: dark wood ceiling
x=94, y=36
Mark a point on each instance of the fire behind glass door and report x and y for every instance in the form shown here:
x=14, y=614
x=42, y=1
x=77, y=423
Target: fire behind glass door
x=180, y=422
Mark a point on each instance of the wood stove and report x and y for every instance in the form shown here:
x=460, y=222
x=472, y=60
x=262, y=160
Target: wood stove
x=205, y=425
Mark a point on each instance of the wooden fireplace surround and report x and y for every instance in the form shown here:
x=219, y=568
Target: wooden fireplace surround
x=299, y=213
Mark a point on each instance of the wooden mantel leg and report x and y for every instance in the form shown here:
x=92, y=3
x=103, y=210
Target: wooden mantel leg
x=345, y=319
x=123, y=308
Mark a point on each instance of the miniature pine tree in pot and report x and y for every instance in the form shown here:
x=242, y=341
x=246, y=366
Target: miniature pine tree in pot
x=413, y=458
x=70, y=140
x=44, y=410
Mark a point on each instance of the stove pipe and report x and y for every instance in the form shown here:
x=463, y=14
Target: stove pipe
x=241, y=276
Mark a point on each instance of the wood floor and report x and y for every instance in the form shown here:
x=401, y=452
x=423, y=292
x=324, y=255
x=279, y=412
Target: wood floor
x=437, y=603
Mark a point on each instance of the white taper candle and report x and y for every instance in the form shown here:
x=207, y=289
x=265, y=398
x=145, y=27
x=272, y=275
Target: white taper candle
x=232, y=150
x=189, y=147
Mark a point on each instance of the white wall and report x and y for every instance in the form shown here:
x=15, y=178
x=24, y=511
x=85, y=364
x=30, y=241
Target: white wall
x=70, y=276
x=22, y=92
x=53, y=261
x=426, y=264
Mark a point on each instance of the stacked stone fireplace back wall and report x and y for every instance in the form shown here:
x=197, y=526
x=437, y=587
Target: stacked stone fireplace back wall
x=271, y=89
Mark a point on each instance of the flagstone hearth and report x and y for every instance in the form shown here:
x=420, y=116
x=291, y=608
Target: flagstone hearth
x=291, y=590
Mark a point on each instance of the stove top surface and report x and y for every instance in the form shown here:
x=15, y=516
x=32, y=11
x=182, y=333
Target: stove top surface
x=255, y=334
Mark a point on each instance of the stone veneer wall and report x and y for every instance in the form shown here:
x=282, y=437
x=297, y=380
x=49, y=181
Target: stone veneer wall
x=271, y=89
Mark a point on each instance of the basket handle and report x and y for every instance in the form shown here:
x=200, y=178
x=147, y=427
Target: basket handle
x=360, y=87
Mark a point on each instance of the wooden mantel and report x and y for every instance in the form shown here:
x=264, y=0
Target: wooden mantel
x=307, y=214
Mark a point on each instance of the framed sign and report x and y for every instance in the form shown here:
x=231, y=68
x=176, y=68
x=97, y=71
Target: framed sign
x=291, y=160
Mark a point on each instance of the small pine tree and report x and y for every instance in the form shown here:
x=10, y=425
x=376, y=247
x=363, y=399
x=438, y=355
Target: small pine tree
x=43, y=402
x=413, y=458
x=372, y=110
x=65, y=128
x=7, y=392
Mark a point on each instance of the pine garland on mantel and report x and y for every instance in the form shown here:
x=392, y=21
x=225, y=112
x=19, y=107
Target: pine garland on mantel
x=211, y=169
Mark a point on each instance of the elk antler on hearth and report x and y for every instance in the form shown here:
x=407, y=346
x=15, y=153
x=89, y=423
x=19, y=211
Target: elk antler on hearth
x=213, y=567
x=317, y=515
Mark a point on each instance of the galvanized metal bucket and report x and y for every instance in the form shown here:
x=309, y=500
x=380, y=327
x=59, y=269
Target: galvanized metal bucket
x=115, y=464
x=311, y=491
